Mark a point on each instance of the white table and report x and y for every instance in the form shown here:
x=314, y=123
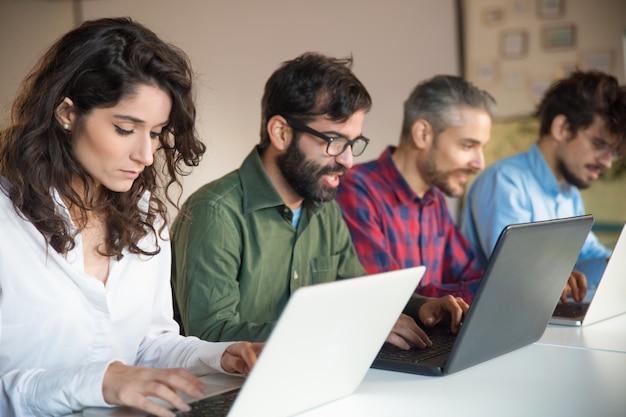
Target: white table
x=608, y=334
x=570, y=372
x=537, y=380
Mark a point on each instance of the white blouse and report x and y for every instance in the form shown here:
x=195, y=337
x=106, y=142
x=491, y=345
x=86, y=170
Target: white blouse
x=60, y=327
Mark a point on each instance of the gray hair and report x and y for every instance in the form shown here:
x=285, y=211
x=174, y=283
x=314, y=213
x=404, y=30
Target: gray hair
x=437, y=99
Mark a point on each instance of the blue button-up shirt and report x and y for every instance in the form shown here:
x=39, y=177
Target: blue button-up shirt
x=520, y=189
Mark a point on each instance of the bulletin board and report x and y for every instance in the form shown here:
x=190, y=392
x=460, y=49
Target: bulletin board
x=516, y=48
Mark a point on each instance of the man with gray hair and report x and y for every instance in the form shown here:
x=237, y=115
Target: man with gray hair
x=395, y=207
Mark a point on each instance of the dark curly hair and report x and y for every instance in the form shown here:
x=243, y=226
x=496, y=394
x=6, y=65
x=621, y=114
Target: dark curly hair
x=580, y=98
x=312, y=85
x=96, y=65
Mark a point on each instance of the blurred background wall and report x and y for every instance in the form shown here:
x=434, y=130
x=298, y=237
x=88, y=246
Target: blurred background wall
x=235, y=46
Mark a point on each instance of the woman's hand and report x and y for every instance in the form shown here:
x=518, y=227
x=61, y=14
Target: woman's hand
x=132, y=385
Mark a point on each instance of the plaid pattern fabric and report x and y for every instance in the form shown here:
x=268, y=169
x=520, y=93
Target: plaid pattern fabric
x=392, y=228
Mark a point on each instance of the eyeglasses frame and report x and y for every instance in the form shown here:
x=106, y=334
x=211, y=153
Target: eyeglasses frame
x=298, y=125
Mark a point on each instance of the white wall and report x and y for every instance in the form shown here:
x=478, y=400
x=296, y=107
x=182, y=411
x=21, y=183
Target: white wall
x=236, y=45
x=28, y=28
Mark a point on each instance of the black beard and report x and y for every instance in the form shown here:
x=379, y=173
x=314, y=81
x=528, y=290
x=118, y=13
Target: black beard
x=303, y=175
x=571, y=178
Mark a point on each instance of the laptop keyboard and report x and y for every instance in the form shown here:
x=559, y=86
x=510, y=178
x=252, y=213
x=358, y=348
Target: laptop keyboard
x=571, y=309
x=215, y=406
x=442, y=344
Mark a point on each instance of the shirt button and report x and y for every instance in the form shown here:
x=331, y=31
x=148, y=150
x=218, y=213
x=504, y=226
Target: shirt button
x=295, y=275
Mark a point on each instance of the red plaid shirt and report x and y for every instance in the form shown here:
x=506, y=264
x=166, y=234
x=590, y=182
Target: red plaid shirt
x=392, y=228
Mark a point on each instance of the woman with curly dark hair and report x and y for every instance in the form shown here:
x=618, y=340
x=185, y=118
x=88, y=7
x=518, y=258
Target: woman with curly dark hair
x=99, y=132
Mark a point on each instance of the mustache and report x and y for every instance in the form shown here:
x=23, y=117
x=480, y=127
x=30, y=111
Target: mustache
x=335, y=168
x=467, y=171
x=596, y=166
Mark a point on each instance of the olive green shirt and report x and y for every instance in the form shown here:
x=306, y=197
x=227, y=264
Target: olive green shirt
x=237, y=258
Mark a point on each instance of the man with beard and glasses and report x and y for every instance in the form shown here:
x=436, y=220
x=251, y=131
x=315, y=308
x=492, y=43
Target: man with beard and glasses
x=582, y=132
x=244, y=243
x=394, y=206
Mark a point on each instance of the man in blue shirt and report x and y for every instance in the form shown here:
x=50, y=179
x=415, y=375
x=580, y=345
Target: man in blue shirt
x=582, y=131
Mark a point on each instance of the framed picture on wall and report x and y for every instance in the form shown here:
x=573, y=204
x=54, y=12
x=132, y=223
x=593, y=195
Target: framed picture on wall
x=558, y=37
x=538, y=87
x=513, y=43
x=550, y=9
x=485, y=71
x=515, y=79
x=565, y=69
x=597, y=60
x=520, y=7
x=492, y=16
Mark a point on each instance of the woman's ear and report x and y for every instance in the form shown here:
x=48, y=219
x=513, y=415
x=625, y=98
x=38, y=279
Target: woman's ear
x=280, y=133
x=421, y=134
x=65, y=114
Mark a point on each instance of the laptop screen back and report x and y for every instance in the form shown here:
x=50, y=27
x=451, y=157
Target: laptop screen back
x=523, y=282
x=324, y=343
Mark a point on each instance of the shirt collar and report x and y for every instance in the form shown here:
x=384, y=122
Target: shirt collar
x=401, y=189
x=544, y=174
x=258, y=190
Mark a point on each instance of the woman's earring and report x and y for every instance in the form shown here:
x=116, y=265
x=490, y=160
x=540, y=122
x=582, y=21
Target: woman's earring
x=66, y=126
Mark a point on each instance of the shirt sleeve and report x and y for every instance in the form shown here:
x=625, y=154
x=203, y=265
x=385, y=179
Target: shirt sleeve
x=592, y=248
x=362, y=216
x=461, y=273
x=359, y=214
x=350, y=265
x=163, y=346
x=495, y=200
x=45, y=392
x=413, y=306
x=171, y=350
x=207, y=257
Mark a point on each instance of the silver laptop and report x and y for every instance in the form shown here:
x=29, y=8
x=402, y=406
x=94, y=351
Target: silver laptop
x=607, y=300
x=523, y=281
x=319, y=351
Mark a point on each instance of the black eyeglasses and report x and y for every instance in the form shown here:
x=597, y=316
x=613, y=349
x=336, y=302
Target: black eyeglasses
x=337, y=145
x=604, y=148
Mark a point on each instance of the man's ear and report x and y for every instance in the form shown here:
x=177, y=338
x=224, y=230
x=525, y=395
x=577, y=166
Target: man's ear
x=280, y=133
x=421, y=134
x=560, y=128
x=65, y=114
